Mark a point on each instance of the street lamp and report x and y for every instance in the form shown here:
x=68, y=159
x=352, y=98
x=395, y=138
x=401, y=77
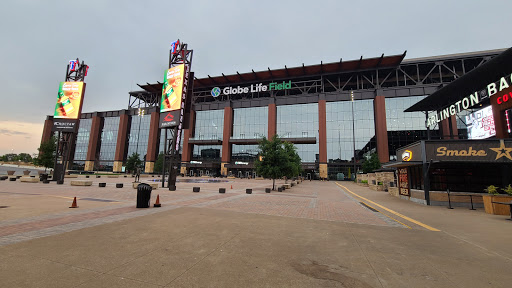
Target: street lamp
x=353, y=131
x=141, y=116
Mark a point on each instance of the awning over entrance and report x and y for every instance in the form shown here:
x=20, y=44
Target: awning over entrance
x=401, y=164
x=467, y=84
x=199, y=164
x=439, y=151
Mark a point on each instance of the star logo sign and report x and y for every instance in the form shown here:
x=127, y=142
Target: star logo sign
x=502, y=151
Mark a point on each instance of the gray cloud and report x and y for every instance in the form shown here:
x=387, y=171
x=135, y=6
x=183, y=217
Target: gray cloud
x=8, y=132
x=126, y=43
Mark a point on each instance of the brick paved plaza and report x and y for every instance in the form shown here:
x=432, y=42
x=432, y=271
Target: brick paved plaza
x=316, y=234
x=109, y=204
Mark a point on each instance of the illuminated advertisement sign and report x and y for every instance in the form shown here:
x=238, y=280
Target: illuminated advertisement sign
x=174, y=47
x=73, y=65
x=403, y=182
x=407, y=155
x=172, y=90
x=274, y=86
x=69, y=100
x=481, y=124
x=459, y=106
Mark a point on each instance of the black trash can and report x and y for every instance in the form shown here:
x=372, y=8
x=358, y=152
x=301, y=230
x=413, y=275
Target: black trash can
x=143, y=195
x=43, y=176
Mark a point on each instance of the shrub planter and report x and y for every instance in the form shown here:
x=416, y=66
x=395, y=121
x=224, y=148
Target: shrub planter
x=248, y=191
x=60, y=182
x=267, y=190
x=222, y=190
x=196, y=189
x=496, y=209
x=119, y=185
x=102, y=184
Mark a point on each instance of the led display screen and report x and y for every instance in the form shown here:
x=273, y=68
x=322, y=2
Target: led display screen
x=69, y=100
x=481, y=124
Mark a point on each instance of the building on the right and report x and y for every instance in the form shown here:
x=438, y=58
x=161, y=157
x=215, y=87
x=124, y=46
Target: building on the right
x=482, y=99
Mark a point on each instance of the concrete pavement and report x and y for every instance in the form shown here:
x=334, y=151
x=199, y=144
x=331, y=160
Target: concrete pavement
x=317, y=234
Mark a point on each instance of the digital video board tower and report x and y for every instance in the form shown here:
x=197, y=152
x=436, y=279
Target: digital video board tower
x=67, y=114
x=173, y=107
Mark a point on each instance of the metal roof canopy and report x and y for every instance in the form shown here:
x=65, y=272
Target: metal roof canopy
x=294, y=72
x=469, y=83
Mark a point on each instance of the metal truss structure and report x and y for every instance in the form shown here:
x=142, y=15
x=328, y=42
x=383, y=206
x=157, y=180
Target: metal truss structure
x=66, y=140
x=65, y=144
x=143, y=99
x=178, y=56
x=413, y=77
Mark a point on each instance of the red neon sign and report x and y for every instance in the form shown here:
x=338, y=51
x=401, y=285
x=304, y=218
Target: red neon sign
x=504, y=98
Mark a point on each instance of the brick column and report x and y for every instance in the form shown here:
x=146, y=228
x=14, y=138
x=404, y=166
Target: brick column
x=122, y=139
x=94, y=139
x=226, y=146
x=152, y=142
x=272, y=120
x=322, y=139
x=445, y=128
x=381, y=130
x=47, y=129
x=186, y=153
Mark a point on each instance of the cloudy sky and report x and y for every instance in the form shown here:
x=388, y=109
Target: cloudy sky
x=127, y=42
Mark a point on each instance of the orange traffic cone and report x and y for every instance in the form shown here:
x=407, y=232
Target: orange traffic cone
x=74, y=204
x=157, y=203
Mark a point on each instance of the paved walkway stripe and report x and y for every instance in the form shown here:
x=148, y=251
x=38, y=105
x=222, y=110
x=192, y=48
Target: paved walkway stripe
x=391, y=211
x=365, y=204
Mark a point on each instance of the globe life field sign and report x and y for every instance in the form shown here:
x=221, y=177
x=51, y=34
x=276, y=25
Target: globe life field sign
x=254, y=88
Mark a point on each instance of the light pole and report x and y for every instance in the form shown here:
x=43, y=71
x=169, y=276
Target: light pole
x=141, y=116
x=353, y=131
x=339, y=139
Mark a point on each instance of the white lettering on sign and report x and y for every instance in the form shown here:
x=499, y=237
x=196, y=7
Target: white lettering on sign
x=453, y=109
x=492, y=89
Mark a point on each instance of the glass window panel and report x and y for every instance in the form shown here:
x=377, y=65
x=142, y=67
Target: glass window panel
x=109, y=139
x=209, y=125
x=139, y=136
x=340, y=135
x=298, y=121
x=250, y=123
x=82, y=139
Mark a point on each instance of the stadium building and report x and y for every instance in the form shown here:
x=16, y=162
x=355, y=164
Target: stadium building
x=335, y=113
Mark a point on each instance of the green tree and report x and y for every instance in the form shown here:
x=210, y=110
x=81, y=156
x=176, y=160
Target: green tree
x=273, y=160
x=371, y=163
x=294, y=166
x=24, y=157
x=159, y=163
x=46, y=156
x=133, y=162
